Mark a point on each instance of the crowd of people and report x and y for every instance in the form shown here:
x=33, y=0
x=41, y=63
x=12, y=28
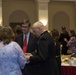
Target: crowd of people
x=32, y=50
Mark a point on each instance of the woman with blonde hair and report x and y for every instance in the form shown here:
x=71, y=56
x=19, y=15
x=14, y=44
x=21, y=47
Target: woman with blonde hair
x=12, y=58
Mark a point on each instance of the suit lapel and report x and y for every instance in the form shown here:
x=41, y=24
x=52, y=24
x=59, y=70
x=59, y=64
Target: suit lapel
x=21, y=41
x=30, y=41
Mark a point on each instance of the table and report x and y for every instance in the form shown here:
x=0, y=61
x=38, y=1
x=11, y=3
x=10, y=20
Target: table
x=68, y=70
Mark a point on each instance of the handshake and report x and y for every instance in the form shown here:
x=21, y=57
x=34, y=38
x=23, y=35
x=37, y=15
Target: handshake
x=28, y=55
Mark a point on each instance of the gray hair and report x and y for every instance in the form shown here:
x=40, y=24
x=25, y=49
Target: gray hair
x=38, y=24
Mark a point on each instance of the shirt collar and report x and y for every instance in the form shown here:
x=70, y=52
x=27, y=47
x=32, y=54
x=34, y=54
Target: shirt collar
x=26, y=36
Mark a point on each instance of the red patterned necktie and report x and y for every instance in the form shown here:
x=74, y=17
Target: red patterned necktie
x=25, y=45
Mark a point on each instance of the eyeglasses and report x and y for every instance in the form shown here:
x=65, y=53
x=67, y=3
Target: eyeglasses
x=25, y=26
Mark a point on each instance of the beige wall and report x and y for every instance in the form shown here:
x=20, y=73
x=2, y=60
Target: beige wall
x=66, y=7
x=27, y=6
x=31, y=9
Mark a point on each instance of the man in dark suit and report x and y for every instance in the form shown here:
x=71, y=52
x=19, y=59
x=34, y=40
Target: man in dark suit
x=31, y=41
x=64, y=34
x=43, y=61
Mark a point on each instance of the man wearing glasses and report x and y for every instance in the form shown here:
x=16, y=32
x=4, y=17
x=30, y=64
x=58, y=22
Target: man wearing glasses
x=31, y=42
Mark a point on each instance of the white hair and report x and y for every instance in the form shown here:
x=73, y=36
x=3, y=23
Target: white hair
x=38, y=24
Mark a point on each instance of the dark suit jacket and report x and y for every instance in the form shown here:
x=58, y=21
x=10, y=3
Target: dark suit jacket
x=61, y=40
x=44, y=62
x=58, y=55
x=32, y=43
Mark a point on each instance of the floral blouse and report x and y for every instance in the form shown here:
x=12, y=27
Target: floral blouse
x=72, y=44
x=12, y=59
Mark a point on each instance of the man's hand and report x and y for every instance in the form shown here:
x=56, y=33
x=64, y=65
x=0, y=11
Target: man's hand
x=28, y=55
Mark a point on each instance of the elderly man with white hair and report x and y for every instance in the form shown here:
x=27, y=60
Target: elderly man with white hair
x=43, y=60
